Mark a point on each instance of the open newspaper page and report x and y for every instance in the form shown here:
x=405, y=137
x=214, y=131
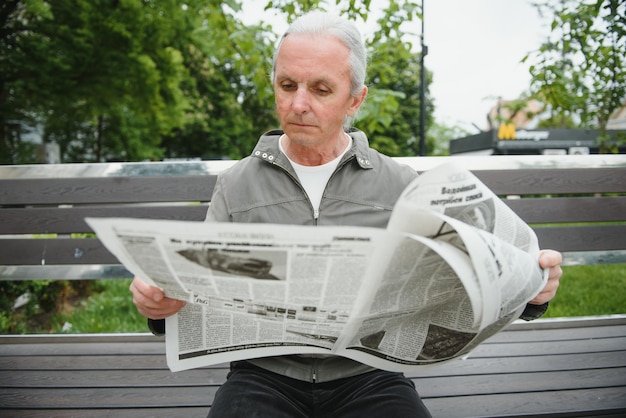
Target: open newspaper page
x=252, y=290
x=422, y=311
x=503, y=248
x=453, y=268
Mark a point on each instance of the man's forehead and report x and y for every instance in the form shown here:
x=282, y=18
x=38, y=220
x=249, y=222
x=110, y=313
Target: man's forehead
x=302, y=52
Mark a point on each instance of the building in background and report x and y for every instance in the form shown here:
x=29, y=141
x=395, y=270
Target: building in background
x=512, y=130
x=507, y=140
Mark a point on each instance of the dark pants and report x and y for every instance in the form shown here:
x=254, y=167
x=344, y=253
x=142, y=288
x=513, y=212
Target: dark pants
x=252, y=392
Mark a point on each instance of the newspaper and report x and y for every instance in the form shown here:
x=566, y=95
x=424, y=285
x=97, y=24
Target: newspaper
x=454, y=266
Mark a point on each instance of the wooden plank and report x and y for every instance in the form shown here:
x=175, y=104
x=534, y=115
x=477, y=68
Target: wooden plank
x=592, y=367
x=539, y=343
x=67, y=220
x=62, y=251
x=491, y=404
x=64, y=220
x=569, y=322
x=512, y=365
x=534, y=348
x=159, y=378
x=56, y=191
x=489, y=383
x=164, y=412
x=429, y=389
x=523, y=181
x=81, y=190
x=24, y=251
x=557, y=334
x=75, y=190
x=136, y=397
x=75, y=348
x=111, y=362
x=582, y=238
x=569, y=403
x=469, y=366
x=569, y=209
x=67, y=272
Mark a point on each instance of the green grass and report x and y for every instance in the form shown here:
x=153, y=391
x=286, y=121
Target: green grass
x=110, y=310
x=590, y=290
x=584, y=291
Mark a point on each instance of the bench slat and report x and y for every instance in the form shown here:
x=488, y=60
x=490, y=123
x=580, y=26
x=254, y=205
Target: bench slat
x=147, y=344
x=112, y=378
x=582, y=238
x=569, y=209
x=71, y=220
x=110, y=362
x=68, y=191
x=540, y=348
x=470, y=366
x=137, y=397
x=57, y=191
x=571, y=403
x=457, y=387
x=463, y=386
x=91, y=251
x=46, y=251
x=554, y=181
x=165, y=412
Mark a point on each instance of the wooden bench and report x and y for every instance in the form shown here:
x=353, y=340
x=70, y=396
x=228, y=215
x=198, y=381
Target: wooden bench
x=558, y=367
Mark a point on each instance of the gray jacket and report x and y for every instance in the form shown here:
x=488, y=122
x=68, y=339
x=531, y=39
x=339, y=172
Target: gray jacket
x=264, y=188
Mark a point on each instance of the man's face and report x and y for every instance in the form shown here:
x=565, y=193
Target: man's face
x=312, y=88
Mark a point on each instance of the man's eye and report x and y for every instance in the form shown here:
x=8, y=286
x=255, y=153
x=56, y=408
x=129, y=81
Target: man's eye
x=288, y=86
x=322, y=91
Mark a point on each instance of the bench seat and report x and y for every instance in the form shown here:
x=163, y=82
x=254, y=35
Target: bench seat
x=563, y=367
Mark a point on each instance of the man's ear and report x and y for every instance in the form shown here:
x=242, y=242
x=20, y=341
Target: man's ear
x=357, y=102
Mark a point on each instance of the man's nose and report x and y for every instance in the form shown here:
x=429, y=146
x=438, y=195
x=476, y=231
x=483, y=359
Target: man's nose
x=300, y=102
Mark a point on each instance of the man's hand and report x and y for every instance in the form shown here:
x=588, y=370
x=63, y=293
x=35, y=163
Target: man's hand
x=151, y=302
x=552, y=260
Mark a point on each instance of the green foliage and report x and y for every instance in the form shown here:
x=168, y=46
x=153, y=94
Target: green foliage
x=580, y=69
x=69, y=306
x=584, y=291
x=439, y=136
x=590, y=290
x=109, y=311
x=145, y=80
x=10, y=320
x=392, y=110
x=41, y=298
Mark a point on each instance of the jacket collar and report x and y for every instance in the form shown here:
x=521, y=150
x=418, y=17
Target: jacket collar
x=267, y=149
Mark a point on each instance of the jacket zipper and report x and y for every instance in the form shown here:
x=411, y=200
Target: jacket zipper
x=295, y=180
x=316, y=213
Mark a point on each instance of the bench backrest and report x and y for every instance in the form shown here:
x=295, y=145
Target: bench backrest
x=42, y=207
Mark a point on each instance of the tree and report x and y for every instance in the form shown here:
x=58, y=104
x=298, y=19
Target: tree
x=581, y=68
x=231, y=96
x=393, y=108
x=439, y=136
x=125, y=80
x=100, y=76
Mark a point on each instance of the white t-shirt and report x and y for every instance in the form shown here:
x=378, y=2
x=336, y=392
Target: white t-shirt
x=315, y=177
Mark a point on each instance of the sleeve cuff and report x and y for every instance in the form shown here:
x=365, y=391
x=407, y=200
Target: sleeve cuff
x=533, y=311
x=157, y=326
